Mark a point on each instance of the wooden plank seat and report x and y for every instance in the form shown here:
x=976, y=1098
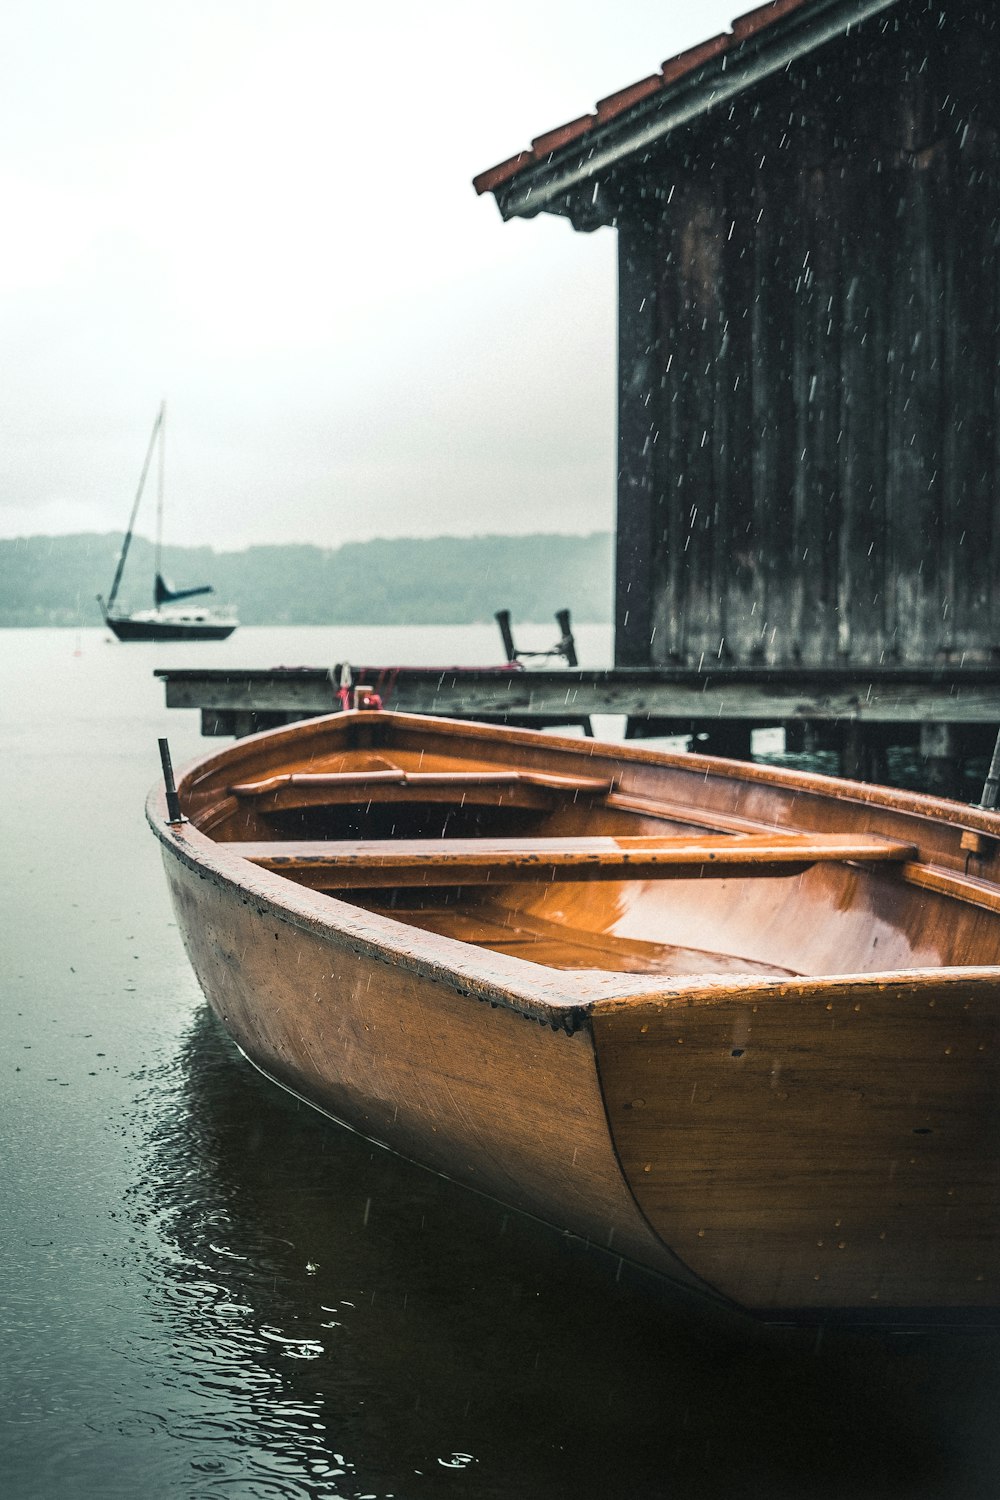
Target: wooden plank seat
x=328, y=864
x=515, y=787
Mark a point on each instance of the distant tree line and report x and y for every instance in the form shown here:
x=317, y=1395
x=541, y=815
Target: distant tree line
x=407, y=581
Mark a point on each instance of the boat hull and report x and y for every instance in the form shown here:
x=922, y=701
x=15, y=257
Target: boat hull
x=819, y=1140
x=820, y=1147
x=169, y=630
x=463, y=1084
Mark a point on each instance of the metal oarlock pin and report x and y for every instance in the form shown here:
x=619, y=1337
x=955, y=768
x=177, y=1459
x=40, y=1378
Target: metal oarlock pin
x=174, y=814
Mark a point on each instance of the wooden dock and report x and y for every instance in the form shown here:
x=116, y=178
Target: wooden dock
x=949, y=713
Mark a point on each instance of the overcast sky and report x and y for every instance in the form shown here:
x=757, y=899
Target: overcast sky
x=262, y=210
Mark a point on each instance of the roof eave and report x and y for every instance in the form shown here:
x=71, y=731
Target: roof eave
x=550, y=186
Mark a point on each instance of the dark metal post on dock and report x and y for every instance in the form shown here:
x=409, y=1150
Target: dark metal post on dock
x=567, y=645
x=564, y=647
x=503, y=620
x=174, y=814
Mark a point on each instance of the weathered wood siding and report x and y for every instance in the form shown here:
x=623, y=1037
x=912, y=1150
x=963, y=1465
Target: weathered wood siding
x=809, y=429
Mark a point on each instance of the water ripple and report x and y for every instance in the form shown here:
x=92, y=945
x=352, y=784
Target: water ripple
x=330, y=1314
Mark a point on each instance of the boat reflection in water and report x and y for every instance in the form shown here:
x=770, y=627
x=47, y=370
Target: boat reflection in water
x=347, y=1324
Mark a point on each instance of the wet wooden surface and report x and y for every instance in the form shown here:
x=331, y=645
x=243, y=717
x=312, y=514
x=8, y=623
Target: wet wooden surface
x=946, y=691
x=476, y=1091
x=461, y=861
x=788, y=1037
x=833, y=1144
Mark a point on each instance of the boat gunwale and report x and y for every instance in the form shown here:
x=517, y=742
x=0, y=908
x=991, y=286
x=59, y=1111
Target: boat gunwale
x=958, y=815
x=561, y=999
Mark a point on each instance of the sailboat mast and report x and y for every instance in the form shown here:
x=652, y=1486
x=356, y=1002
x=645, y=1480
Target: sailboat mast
x=135, y=509
x=158, y=568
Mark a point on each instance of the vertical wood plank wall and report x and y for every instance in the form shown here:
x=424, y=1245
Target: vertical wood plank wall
x=809, y=436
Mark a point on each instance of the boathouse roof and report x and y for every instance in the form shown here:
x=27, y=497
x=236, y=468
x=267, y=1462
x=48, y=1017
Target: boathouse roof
x=763, y=42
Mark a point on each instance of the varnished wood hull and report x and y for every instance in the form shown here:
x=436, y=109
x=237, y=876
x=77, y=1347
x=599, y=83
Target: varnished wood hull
x=795, y=1129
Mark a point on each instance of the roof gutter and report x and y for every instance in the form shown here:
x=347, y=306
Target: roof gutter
x=535, y=189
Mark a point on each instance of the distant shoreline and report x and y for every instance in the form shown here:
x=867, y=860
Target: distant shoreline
x=52, y=582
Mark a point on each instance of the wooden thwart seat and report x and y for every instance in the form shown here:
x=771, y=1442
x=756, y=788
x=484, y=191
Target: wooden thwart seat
x=350, y=864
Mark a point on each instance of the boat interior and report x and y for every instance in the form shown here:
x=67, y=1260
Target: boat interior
x=583, y=859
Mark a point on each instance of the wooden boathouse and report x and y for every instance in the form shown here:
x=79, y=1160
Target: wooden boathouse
x=808, y=219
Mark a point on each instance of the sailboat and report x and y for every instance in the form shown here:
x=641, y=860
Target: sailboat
x=168, y=620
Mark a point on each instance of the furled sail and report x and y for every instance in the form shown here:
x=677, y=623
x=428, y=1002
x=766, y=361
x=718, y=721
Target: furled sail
x=165, y=593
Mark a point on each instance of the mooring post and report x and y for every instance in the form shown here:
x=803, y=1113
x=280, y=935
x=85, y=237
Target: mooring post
x=862, y=751
x=730, y=738
x=174, y=814
x=567, y=645
x=502, y=618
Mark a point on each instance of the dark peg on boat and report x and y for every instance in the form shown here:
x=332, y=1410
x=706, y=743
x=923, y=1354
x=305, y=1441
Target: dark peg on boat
x=174, y=814
x=991, y=787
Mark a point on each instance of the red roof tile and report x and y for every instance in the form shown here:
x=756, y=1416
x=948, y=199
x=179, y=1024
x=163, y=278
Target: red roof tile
x=493, y=176
x=561, y=136
x=625, y=98
x=764, y=15
x=686, y=62
x=747, y=25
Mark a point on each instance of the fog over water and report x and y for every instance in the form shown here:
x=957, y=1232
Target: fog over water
x=208, y=1292
x=264, y=211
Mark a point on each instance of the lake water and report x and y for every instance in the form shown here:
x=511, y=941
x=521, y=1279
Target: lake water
x=207, y=1292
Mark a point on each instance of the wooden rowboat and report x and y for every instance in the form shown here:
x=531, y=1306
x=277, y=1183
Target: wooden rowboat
x=735, y=1024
